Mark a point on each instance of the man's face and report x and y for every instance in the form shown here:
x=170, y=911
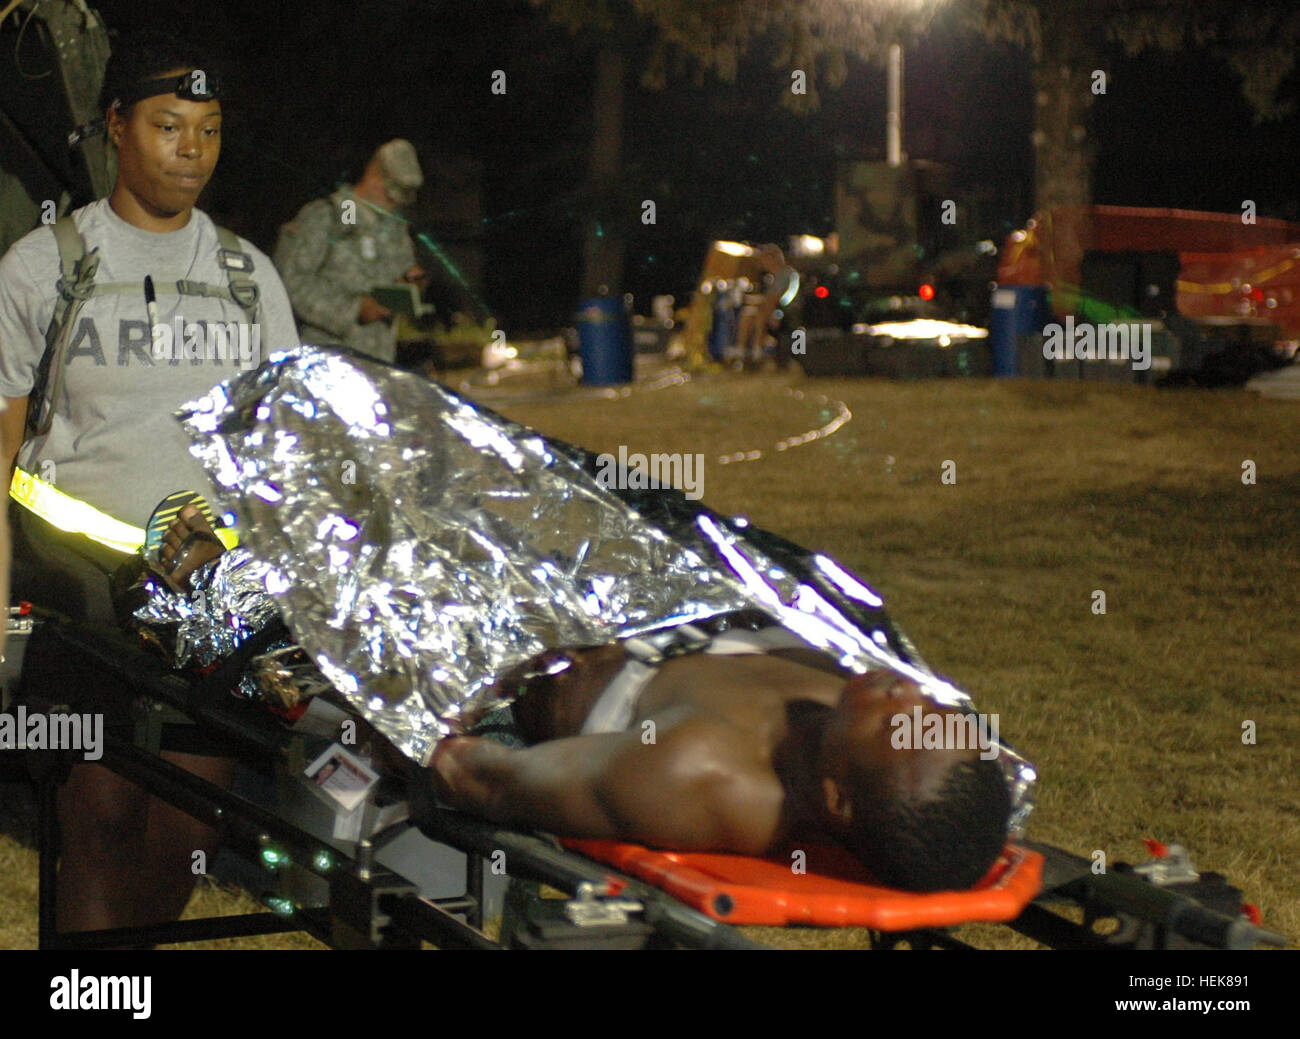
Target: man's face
x=386, y=191
x=167, y=149
x=864, y=725
x=399, y=198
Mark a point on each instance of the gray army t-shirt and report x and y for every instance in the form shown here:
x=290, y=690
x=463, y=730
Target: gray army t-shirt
x=114, y=441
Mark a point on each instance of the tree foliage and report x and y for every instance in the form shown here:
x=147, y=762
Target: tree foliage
x=694, y=38
x=1257, y=40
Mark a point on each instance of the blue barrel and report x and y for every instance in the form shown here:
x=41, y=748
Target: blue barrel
x=1017, y=310
x=605, y=341
x=723, y=333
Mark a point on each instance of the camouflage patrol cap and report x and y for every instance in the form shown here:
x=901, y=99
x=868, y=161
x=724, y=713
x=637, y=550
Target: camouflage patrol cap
x=401, y=170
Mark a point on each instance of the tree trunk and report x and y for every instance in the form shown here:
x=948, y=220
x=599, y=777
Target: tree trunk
x=604, y=243
x=1063, y=92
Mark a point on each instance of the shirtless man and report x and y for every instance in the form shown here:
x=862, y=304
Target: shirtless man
x=745, y=747
x=744, y=753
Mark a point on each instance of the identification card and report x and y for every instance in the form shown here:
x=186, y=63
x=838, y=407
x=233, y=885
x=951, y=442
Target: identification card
x=342, y=777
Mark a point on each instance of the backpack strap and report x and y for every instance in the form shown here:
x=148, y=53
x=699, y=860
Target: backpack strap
x=77, y=269
x=238, y=266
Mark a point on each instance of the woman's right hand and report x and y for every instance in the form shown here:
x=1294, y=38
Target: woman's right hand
x=187, y=545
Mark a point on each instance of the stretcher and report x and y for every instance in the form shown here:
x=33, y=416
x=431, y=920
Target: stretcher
x=415, y=872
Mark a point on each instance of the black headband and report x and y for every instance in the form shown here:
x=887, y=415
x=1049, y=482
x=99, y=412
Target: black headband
x=191, y=86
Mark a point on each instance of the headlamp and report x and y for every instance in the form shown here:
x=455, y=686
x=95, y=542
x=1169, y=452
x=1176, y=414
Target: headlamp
x=195, y=85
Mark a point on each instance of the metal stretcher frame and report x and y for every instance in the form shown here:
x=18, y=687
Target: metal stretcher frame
x=369, y=906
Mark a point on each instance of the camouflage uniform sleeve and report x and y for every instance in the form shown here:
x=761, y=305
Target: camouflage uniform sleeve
x=300, y=253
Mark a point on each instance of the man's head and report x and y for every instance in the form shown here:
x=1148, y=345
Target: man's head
x=393, y=175
x=918, y=816
x=163, y=116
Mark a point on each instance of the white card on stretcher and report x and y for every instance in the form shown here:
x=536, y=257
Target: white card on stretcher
x=341, y=777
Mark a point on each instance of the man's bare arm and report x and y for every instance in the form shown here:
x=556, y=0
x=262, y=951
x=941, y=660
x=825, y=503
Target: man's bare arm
x=679, y=793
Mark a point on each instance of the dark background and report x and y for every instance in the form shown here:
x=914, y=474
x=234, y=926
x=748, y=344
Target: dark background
x=315, y=88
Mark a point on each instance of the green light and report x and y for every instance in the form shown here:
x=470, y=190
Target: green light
x=323, y=861
x=274, y=858
x=437, y=251
x=278, y=905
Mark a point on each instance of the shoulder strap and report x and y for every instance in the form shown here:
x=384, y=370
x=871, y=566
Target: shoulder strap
x=77, y=269
x=72, y=248
x=238, y=266
x=239, y=289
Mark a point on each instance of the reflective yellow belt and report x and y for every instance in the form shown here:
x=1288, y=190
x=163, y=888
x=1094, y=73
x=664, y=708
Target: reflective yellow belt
x=77, y=517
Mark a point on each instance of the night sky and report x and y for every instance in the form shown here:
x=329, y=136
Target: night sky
x=317, y=87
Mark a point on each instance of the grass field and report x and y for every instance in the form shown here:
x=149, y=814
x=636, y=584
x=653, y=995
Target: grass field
x=1135, y=717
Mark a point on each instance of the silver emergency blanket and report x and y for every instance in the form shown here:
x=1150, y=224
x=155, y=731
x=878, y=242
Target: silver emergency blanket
x=419, y=546
x=228, y=603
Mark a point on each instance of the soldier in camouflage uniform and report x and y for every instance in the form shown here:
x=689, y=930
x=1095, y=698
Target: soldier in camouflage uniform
x=337, y=248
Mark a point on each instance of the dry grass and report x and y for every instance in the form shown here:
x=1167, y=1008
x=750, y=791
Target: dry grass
x=1134, y=717
x=18, y=907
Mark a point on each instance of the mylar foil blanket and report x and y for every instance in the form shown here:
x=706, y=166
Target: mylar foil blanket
x=419, y=546
x=228, y=603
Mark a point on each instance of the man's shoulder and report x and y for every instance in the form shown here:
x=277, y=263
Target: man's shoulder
x=330, y=205
x=692, y=745
x=325, y=205
x=704, y=761
x=317, y=217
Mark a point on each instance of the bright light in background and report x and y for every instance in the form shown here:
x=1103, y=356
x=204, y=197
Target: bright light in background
x=733, y=248
x=926, y=291
x=923, y=328
x=806, y=245
x=497, y=355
